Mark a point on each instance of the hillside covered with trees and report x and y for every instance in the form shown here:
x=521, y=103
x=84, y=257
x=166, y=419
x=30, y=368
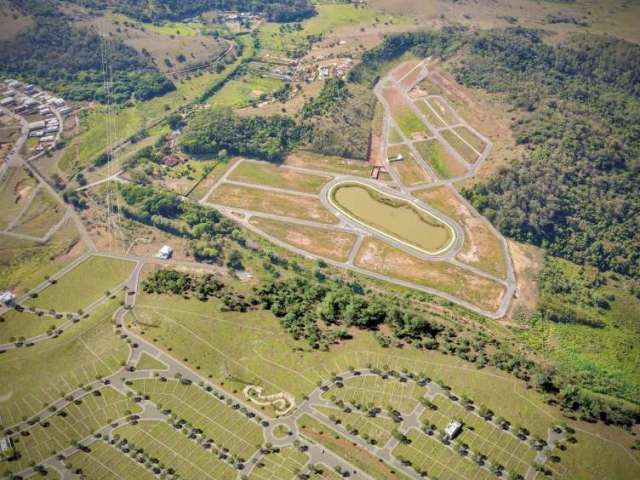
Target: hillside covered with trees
x=68, y=60
x=154, y=10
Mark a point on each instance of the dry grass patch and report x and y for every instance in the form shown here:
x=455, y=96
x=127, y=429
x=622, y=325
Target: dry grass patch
x=471, y=138
x=465, y=151
x=17, y=186
x=430, y=115
x=380, y=257
x=481, y=246
x=277, y=203
x=319, y=241
x=42, y=215
x=403, y=69
x=329, y=163
x=527, y=263
x=410, y=172
x=279, y=177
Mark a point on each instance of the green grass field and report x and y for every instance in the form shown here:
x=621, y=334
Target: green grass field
x=329, y=164
x=181, y=29
x=147, y=362
x=376, y=430
x=227, y=427
x=273, y=176
x=460, y=146
x=15, y=325
x=244, y=91
x=284, y=463
x=106, y=461
x=443, y=163
x=69, y=425
x=173, y=449
x=51, y=369
x=432, y=118
x=84, y=284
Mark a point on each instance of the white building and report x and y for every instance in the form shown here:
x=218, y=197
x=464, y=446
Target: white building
x=6, y=101
x=7, y=297
x=6, y=447
x=37, y=125
x=452, y=430
x=165, y=252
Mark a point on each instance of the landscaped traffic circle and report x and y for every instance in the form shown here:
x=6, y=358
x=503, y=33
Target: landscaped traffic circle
x=392, y=216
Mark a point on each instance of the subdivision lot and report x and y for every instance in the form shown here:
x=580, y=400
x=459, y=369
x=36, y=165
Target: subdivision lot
x=83, y=285
x=377, y=429
x=15, y=190
x=147, y=362
x=246, y=90
x=358, y=457
x=410, y=172
x=378, y=392
x=500, y=447
x=24, y=263
x=442, y=110
x=429, y=455
x=283, y=463
x=460, y=146
x=290, y=205
x=328, y=243
x=443, y=163
x=70, y=424
x=329, y=164
x=410, y=78
x=379, y=257
x=430, y=114
x=410, y=124
x=51, y=369
x=43, y=213
x=279, y=177
x=471, y=138
x=15, y=325
x=106, y=461
x=227, y=427
x=403, y=69
x=173, y=448
x=481, y=248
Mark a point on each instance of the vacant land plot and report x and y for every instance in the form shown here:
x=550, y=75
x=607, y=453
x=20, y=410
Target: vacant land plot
x=358, y=457
x=394, y=135
x=433, y=119
x=427, y=454
x=147, y=362
x=246, y=90
x=174, y=449
x=403, y=69
x=482, y=248
x=443, y=110
x=392, y=216
x=328, y=163
x=429, y=87
x=443, y=163
x=279, y=177
x=106, y=461
x=380, y=257
x=283, y=463
x=297, y=206
x=410, y=79
x=410, y=172
x=324, y=242
x=51, y=369
x=70, y=424
x=15, y=191
x=227, y=427
x=377, y=429
x=44, y=213
x=471, y=138
x=83, y=285
x=24, y=263
x=460, y=146
x=16, y=325
x=376, y=391
x=408, y=122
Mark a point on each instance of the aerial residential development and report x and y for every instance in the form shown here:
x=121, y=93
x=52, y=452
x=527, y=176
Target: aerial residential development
x=306, y=239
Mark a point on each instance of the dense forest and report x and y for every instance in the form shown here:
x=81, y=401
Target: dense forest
x=576, y=192
x=154, y=10
x=222, y=132
x=338, y=121
x=67, y=60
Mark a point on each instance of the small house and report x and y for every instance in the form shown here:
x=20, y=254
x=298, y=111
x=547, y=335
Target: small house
x=452, y=430
x=395, y=158
x=7, y=297
x=165, y=252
